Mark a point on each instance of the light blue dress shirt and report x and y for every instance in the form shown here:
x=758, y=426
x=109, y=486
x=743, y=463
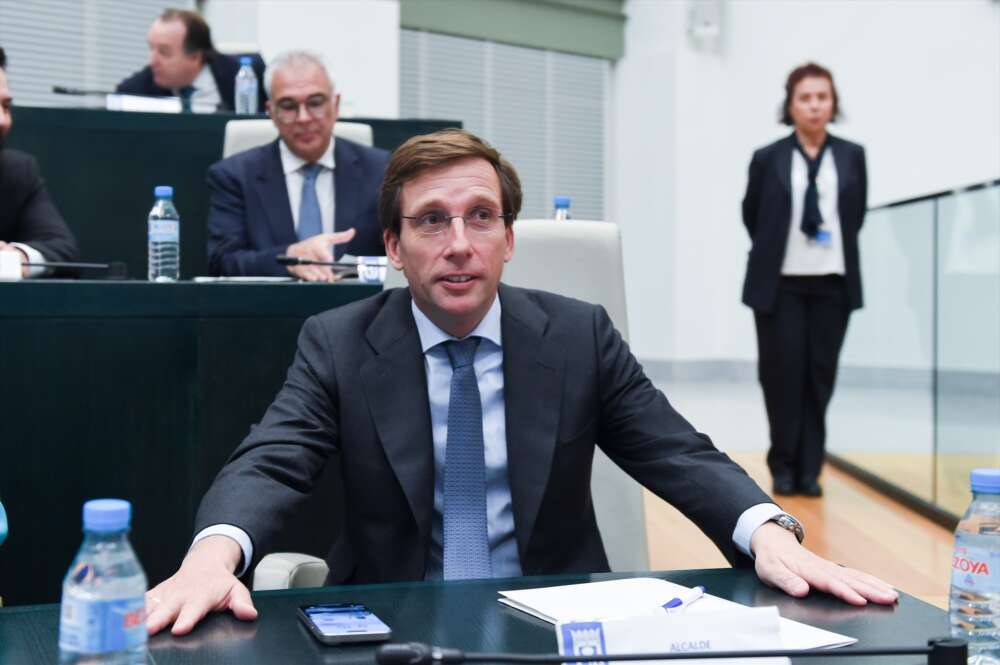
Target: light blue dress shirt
x=488, y=364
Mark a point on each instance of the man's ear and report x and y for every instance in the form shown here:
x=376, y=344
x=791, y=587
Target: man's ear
x=391, y=241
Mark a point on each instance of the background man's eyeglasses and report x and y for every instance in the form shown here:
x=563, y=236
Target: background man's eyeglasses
x=436, y=222
x=287, y=110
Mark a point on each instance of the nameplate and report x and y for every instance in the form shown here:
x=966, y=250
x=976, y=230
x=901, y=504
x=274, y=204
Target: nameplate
x=686, y=632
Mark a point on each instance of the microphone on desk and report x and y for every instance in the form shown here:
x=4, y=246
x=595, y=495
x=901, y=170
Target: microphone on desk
x=286, y=260
x=939, y=651
x=115, y=269
x=79, y=92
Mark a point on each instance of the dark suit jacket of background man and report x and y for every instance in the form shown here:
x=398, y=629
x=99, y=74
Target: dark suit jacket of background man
x=357, y=385
x=767, y=213
x=27, y=212
x=223, y=68
x=250, y=218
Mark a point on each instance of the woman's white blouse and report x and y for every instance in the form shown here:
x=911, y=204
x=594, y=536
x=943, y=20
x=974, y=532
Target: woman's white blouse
x=804, y=256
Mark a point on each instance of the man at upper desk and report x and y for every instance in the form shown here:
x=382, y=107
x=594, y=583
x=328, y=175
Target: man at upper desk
x=465, y=413
x=30, y=223
x=299, y=195
x=184, y=63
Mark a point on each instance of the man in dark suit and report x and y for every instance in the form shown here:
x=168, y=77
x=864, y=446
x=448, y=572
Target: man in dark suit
x=300, y=195
x=184, y=63
x=465, y=414
x=30, y=223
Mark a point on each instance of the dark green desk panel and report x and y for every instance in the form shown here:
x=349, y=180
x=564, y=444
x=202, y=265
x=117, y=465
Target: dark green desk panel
x=140, y=391
x=101, y=167
x=465, y=615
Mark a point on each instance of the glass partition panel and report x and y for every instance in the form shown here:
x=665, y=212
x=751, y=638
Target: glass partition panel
x=968, y=349
x=881, y=417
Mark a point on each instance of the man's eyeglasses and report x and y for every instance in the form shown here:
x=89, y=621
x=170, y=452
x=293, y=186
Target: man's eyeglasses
x=480, y=220
x=287, y=110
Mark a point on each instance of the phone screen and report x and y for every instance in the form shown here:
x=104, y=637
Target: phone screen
x=345, y=622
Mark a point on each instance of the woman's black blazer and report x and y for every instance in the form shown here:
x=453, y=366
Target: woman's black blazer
x=767, y=212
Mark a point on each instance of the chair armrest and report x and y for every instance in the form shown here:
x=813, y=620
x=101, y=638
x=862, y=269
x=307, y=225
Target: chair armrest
x=289, y=570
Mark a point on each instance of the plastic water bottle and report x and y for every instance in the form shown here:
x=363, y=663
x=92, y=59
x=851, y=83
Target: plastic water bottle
x=975, y=576
x=246, y=88
x=164, y=237
x=562, y=208
x=103, y=615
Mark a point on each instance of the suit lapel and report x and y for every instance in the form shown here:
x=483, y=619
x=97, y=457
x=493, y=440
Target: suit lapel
x=272, y=192
x=348, y=183
x=783, y=163
x=395, y=384
x=533, y=375
x=843, y=162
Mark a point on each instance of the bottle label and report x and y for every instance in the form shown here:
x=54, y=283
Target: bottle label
x=102, y=626
x=164, y=230
x=974, y=567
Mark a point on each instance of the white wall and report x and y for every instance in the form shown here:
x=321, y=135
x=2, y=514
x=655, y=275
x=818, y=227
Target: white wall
x=359, y=40
x=919, y=81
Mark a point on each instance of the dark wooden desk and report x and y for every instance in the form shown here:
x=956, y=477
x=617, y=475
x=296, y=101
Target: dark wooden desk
x=464, y=615
x=139, y=391
x=101, y=167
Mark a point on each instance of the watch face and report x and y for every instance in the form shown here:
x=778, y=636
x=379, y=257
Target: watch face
x=789, y=523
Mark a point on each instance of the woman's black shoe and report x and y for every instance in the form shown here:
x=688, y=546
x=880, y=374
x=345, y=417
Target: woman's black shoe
x=811, y=488
x=784, y=487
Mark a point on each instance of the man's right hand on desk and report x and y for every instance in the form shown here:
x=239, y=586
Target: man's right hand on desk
x=205, y=583
x=317, y=248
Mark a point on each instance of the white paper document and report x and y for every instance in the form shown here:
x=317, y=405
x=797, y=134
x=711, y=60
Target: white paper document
x=742, y=629
x=643, y=595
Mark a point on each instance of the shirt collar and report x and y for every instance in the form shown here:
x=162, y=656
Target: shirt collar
x=431, y=335
x=290, y=162
x=202, y=84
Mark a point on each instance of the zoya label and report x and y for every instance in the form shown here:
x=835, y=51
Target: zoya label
x=975, y=567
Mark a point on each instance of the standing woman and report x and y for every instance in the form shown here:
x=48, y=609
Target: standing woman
x=804, y=205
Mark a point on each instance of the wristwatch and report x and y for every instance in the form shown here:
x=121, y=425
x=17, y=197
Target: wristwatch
x=789, y=523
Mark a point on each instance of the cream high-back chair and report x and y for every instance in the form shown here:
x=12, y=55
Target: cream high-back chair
x=245, y=134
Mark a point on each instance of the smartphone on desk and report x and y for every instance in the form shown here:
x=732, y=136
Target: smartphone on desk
x=343, y=623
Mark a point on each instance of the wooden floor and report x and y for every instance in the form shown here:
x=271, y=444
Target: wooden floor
x=851, y=524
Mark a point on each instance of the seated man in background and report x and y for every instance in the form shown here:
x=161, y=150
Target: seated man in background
x=30, y=223
x=465, y=415
x=184, y=63
x=301, y=194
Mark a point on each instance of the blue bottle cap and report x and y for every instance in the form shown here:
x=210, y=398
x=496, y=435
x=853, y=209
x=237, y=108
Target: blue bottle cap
x=561, y=201
x=985, y=480
x=3, y=524
x=163, y=191
x=106, y=515
x=245, y=60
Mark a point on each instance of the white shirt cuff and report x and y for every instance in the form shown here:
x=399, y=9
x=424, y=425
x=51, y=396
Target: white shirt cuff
x=34, y=256
x=234, y=532
x=748, y=523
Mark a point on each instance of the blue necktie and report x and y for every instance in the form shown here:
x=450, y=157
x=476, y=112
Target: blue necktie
x=466, y=543
x=186, y=93
x=310, y=220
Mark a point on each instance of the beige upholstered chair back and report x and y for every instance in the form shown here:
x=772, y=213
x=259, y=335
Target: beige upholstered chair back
x=583, y=260
x=245, y=134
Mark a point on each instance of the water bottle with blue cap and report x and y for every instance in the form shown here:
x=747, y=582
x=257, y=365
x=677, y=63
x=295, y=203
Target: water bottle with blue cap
x=164, y=237
x=561, y=204
x=103, y=614
x=974, y=604
x=246, y=88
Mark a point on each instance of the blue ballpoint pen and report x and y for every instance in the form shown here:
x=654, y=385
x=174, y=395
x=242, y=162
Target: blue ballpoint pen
x=678, y=603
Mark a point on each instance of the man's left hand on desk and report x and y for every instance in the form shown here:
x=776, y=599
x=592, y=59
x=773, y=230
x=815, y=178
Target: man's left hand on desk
x=782, y=562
